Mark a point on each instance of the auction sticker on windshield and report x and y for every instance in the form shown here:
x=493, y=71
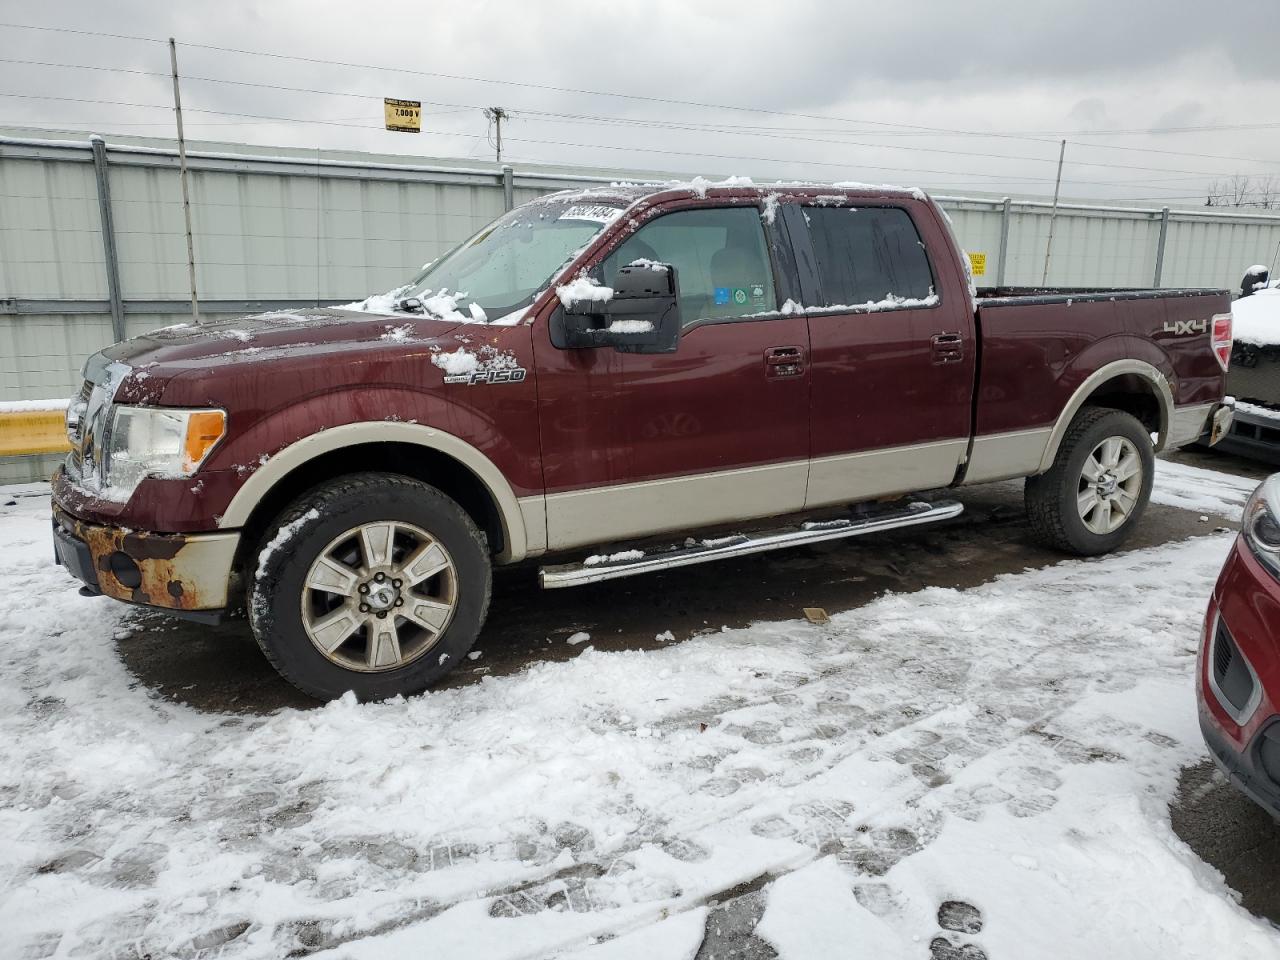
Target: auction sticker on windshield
x=592, y=212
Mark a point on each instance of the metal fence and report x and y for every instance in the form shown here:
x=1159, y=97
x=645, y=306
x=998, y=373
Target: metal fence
x=92, y=244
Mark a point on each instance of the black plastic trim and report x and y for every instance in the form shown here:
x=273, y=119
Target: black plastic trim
x=1027, y=296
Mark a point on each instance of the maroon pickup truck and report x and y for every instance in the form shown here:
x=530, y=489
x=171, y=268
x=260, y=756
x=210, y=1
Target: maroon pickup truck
x=617, y=380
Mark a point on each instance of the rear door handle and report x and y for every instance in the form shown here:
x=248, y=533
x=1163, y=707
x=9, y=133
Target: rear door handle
x=784, y=362
x=948, y=348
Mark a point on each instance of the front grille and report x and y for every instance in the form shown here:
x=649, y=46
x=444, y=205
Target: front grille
x=1224, y=654
x=86, y=463
x=1233, y=679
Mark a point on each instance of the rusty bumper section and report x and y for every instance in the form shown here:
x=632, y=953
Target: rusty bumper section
x=181, y=573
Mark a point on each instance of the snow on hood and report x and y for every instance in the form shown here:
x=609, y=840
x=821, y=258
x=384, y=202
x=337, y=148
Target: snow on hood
x=1256, y=319
x=439, y=305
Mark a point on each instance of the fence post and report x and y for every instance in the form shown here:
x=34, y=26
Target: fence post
x=1164, y=233
x=99, y=147
x=508, y=187
x=1004, y=241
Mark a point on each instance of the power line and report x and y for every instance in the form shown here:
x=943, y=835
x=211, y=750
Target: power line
x=550, y=116
x=668, y=101
x=555, y=117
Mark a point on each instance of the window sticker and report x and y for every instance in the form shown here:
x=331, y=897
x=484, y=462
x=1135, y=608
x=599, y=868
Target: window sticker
x=592, y=212
x=757, y=294
x=739, y=297
x=722, y=296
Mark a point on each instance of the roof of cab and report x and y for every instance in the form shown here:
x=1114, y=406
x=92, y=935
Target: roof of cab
x=627, y=194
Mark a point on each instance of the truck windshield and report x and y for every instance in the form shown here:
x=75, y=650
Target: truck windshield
x=505, y=264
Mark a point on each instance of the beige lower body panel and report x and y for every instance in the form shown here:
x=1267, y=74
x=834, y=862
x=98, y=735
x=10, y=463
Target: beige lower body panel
x=1003, y=456
x=853, y=477
x=631, y=510
x=1187, y=424
x=533, y=510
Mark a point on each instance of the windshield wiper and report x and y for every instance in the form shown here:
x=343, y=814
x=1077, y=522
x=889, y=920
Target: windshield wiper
x=410, y=305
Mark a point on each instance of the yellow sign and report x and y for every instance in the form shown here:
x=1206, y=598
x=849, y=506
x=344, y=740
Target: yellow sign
x=978, y=264
x=403, y=115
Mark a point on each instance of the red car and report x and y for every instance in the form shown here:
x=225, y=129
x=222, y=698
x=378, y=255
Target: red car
x=1239, y=669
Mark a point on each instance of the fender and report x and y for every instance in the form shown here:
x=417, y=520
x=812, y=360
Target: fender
x=1151, y=374
x=515, y=534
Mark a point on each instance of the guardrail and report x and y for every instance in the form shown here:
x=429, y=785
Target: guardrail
x=30, y=430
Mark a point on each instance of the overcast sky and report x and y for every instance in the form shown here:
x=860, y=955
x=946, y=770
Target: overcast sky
x=905, y=92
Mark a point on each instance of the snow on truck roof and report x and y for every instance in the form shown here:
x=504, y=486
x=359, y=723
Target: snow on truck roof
x=629, y=193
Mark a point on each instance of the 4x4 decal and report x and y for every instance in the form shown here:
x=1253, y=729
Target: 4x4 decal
x=1185, y=328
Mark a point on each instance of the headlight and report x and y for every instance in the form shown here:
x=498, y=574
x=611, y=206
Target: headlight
x=1262, y=523
x=157, y=441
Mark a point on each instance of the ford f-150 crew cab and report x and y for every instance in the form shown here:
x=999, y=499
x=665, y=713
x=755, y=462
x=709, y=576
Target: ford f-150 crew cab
x=618, y=380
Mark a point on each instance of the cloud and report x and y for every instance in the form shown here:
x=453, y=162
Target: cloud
x=868, y=76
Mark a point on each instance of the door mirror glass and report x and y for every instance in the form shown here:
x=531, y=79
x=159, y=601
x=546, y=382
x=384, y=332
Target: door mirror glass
x=640, y=313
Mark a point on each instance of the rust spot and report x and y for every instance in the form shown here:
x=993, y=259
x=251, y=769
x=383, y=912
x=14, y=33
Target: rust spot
x=166, y=580
x=152, y=546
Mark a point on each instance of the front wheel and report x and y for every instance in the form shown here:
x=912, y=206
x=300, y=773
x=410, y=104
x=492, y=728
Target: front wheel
x=1088, y=502
x=374, y=583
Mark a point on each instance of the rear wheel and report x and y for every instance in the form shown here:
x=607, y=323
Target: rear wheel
x=373, y=583
x=1088, y=502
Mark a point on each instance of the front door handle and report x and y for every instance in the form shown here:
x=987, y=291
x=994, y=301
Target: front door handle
x=784, y=362
x=948, y=348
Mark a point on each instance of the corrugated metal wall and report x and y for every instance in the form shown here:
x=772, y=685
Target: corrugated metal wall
x=300, y=228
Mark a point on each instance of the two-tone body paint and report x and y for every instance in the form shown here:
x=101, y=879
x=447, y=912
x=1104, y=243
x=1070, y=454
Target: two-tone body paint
x=599, y=444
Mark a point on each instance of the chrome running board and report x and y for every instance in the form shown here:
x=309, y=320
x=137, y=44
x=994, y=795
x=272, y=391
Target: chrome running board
x=630, y=563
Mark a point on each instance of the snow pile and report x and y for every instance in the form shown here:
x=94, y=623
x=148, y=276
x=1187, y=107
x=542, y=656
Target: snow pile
x=398, y=334
x=1256, y=319
x=700, y=185
x=891, y=301
x=770, y=207
x=1200, y=490
x=457, y=363
x=464, y=361
x=621, y=556
x=440, y=305
x=1012, y=746
x=281, y=539
x=1254, y=410
x=33, y=406
x=631, y=326
x=583, y=288
x=915, y=192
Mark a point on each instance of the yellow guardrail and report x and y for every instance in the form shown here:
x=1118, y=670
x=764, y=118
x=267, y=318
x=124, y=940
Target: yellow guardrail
x=27, y=432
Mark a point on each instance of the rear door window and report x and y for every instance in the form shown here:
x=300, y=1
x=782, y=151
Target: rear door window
x=720, y=257
x=868, y=256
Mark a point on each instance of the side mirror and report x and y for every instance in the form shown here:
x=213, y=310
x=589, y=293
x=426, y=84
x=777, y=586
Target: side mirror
x=641, y=316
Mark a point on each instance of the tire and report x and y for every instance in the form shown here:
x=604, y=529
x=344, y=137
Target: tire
x=1057, y=500
x=366, y=538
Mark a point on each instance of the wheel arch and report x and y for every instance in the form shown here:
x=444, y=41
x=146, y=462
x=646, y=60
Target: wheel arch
x=1133, y=386
x=447, y=462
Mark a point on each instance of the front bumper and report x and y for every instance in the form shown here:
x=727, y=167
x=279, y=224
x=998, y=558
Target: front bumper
x=1238, y=677
x=181, y=573
x=1244, y=768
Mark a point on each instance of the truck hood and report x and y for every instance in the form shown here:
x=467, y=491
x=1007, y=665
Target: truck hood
x=209, y=343
x=223, y=352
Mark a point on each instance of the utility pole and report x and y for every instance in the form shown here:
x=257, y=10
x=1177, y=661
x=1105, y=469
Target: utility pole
x=496, y=115
x=1057, y=188
x=182, y=173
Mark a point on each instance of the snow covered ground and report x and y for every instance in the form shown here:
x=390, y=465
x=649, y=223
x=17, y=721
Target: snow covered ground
x=985, y=770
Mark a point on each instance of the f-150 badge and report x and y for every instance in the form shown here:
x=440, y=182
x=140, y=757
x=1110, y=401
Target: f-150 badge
x=512, y=375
